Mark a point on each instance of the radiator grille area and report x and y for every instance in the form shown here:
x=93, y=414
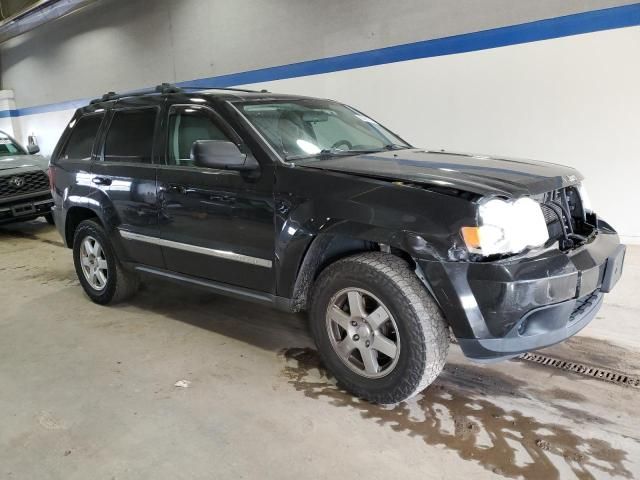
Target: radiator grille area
x=23, y=183
x=567, y=222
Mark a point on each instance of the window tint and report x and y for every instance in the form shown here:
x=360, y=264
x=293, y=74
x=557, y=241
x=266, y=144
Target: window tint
x=186, y=125
x=130, y=136
x=83, y=135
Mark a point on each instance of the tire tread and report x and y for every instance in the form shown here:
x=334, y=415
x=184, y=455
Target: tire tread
x=425, y=321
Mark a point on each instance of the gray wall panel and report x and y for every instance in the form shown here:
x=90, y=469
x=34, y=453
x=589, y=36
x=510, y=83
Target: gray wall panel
x=121, y=45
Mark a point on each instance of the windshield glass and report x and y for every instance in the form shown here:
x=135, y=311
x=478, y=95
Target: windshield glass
x=8, y=146
x=310, y=128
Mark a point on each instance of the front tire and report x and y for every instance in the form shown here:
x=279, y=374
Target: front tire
x=100, y=273
x=377, y=328
x=49, y=218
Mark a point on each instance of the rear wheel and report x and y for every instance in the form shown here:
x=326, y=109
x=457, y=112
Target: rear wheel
x=377, y=328
x=101, y=274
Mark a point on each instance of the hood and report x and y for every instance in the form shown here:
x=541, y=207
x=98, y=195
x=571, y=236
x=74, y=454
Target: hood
x=22, y=161
x=479, y=174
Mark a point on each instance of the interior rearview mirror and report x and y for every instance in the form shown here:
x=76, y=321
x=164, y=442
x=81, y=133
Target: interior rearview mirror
x=221, y=154
x=33, y=149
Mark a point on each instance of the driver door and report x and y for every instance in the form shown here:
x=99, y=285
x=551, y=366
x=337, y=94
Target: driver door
x=215, y=224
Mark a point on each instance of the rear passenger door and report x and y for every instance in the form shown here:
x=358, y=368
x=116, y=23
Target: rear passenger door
x=126, y=174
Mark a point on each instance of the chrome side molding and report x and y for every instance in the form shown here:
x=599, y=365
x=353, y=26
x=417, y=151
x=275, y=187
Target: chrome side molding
x=227, y=255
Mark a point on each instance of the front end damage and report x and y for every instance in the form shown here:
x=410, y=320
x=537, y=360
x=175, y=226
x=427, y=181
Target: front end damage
x=500, y=307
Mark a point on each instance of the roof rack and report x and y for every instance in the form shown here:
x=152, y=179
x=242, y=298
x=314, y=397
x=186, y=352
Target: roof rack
x=165, y=88
x=232, y=89
x=162, y=88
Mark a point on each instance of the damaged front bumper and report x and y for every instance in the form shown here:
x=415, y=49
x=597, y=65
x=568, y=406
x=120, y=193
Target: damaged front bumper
x=504, y=308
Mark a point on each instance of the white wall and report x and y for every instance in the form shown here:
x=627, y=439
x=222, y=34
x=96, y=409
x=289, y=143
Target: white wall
x=573, y=100
x=47, y=128
x=8, y=124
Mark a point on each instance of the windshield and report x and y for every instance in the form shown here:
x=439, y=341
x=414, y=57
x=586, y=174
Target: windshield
x=8, y=146
x=310, y=128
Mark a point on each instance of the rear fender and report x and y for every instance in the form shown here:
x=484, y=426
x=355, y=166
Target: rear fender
x=85, y=197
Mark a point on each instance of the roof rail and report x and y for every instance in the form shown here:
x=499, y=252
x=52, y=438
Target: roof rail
x=165, y=88
x=231, y=89
x=162, y=88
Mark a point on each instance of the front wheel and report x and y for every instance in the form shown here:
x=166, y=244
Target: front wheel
x=377, y=328
x=101, y=274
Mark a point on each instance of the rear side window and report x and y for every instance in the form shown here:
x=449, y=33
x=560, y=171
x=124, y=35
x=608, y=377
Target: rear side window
x=130, y=136
x=83, y=135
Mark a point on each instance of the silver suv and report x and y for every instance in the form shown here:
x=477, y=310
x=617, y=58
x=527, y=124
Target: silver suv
x=24, y=185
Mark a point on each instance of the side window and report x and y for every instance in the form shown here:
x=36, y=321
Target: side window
x=130, y=136
x=186, y=125
x=83, y=135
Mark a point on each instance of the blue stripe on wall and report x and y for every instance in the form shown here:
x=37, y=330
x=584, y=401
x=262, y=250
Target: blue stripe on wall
x=576, y=24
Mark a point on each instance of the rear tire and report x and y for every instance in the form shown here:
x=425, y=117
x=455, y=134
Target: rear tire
x=375, y=307
x=99, y=271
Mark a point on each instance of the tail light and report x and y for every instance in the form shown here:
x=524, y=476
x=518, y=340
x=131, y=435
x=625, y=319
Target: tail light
x=51, y=173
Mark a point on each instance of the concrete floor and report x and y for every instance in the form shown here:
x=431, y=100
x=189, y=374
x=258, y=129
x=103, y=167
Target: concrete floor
x=89, y=392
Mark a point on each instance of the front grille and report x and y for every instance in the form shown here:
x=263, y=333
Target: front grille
x=23, y=183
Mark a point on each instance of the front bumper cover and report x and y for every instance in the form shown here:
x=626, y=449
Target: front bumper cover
x=504, y=308
x=25, y=207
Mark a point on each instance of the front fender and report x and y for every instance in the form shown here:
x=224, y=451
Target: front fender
x=420, y=222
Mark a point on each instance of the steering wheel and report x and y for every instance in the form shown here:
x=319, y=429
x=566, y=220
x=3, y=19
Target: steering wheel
x=339, y=143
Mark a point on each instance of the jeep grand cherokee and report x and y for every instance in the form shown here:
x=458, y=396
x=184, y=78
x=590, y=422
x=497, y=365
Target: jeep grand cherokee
x=309, y=204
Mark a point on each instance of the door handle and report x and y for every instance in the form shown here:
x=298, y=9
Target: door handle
x=101, y=181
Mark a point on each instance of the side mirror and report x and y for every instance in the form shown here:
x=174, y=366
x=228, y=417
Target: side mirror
x=33, y=149
x=220, y=154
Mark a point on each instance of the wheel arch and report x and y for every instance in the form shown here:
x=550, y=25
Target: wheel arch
x=327, y=248
x=74, y=216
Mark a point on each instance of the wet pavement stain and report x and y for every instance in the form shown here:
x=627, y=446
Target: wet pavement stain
x=454, y=415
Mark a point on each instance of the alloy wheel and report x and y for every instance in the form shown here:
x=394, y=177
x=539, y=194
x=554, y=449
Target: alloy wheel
x=363, y=333
x=94, y=263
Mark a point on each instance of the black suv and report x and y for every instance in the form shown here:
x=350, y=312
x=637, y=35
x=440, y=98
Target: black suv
x=308, y=204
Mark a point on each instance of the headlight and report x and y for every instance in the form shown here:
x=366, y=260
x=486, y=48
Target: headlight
x=506, y=227
x=584, y=198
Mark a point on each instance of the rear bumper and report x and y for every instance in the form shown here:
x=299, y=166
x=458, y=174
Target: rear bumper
x=25, y=207
x=502, y=309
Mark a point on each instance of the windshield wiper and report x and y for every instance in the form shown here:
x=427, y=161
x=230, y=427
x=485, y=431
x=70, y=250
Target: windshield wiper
x=324, y=154
x=395, y=146
x=332, y=152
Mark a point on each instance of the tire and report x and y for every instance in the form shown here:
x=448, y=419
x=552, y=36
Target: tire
x=117, y=284
x=415, y=326
x=49, y=218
